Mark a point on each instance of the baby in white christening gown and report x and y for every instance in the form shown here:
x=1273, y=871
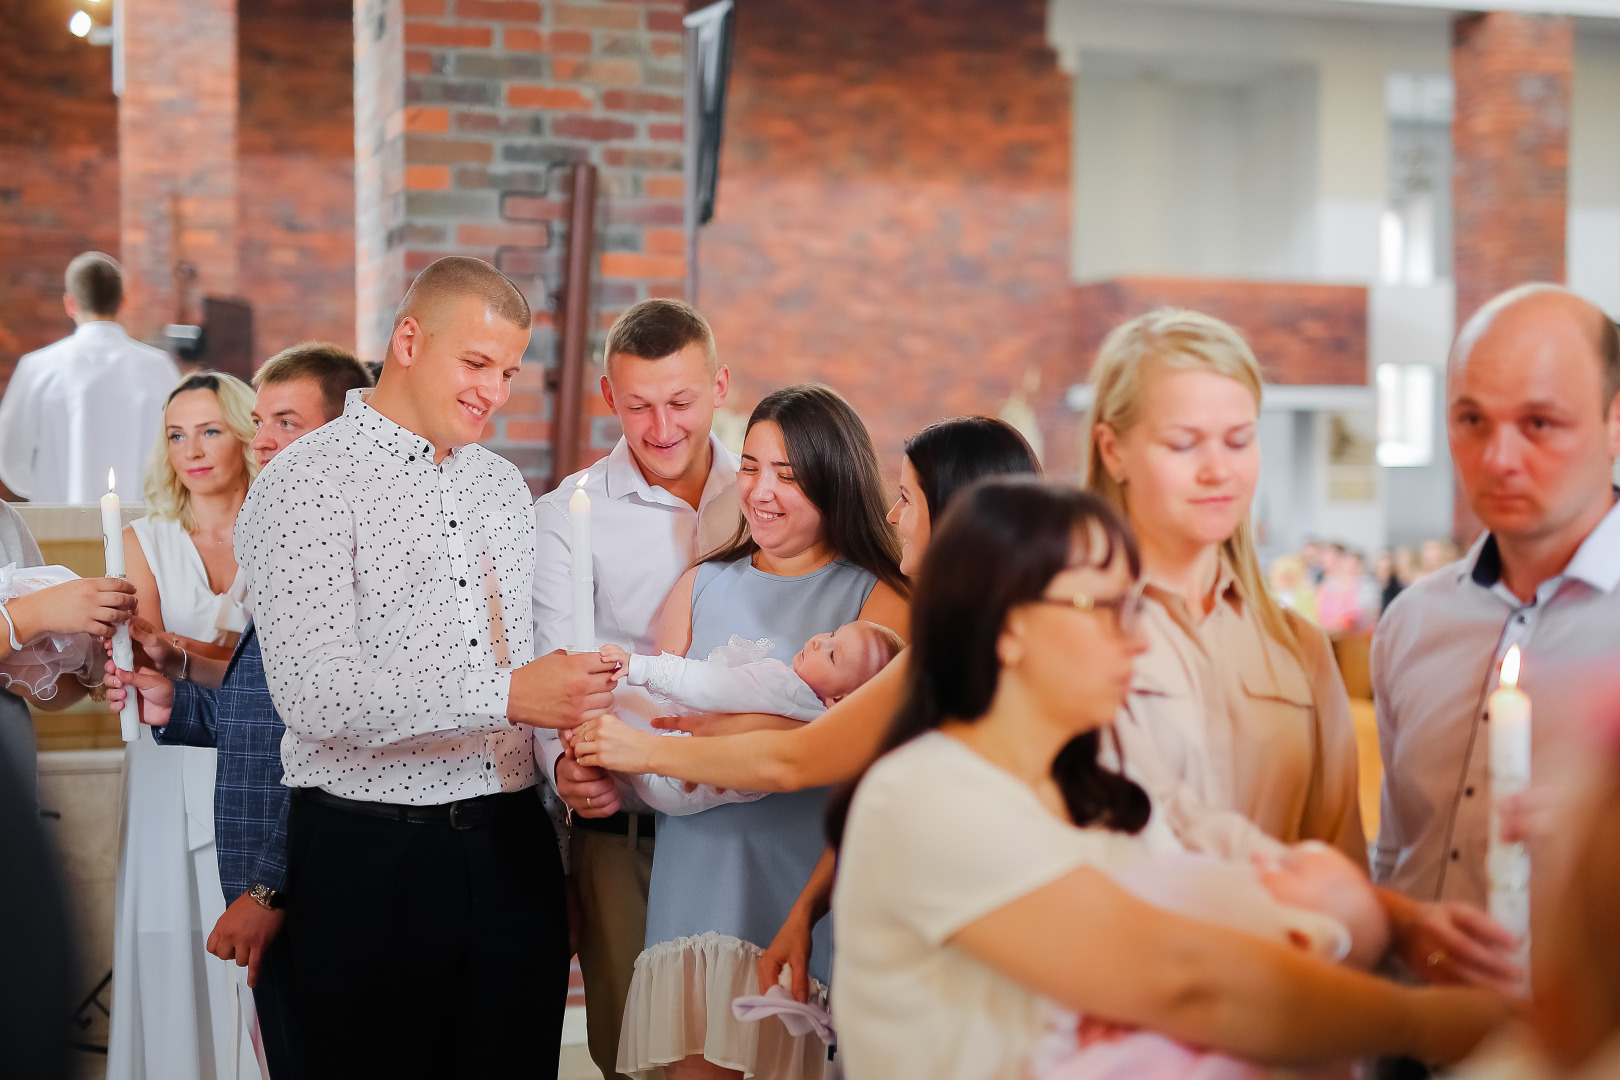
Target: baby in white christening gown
x=739, y=677
x=1311, y=898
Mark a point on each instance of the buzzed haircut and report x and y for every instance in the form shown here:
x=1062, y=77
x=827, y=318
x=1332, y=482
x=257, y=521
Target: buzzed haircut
x=455, y=276
x=654, y=329
x=96, y=283
x=335, y=368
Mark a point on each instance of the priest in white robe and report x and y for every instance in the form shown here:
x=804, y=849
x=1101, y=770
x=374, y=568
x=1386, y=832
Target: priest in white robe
x=89, y=402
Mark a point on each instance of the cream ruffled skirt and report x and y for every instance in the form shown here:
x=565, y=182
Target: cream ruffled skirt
x=680, y=1005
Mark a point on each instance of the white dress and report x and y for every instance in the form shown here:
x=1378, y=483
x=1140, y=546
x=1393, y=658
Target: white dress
x=178, y=1013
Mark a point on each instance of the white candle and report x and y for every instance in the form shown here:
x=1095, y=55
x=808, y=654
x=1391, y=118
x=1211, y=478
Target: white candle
x=579, y=570
x=1508, y=865
x=112, y=538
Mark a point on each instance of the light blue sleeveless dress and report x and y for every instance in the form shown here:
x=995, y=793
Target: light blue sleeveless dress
x=723, y=880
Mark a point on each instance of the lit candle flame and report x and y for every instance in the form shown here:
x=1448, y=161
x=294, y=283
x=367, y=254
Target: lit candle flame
x=582, y=478
x=112, y=481
x=1510, y=668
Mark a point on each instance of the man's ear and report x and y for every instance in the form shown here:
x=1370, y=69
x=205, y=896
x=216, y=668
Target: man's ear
x=1614, y=428
x=406, y=342
x=71, y=306
x=722, y=385
x=607, y=395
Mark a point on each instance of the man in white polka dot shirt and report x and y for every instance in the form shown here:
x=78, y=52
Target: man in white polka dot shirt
x=391, y=559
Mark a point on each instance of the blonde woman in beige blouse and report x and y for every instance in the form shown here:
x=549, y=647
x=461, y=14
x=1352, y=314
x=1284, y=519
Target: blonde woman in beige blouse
x=1240, y=701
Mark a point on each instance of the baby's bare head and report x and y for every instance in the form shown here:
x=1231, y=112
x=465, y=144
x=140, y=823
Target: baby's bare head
x=835, y=664
x=1316, y=877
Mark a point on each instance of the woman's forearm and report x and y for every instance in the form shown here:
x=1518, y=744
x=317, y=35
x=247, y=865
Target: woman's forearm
x=829, y=750
x=1133, y=963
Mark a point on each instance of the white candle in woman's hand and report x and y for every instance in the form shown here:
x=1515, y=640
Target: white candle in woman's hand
x=123, y=653
x=579, y=570
x=1508, y=865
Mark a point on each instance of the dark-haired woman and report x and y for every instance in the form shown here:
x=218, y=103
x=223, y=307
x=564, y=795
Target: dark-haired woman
x=940, y=461
x=812, y=554
x=973, y=887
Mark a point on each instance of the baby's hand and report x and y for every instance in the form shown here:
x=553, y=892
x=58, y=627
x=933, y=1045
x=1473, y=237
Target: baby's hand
x=613, y=654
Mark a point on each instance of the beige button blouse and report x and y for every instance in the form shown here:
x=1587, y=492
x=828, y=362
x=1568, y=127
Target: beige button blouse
x=1243, y=723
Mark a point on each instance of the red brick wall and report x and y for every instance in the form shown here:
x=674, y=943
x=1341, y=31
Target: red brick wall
x=58, y=168
x=893, y=209
x=1510, y=143
x=177, y=157
x=295, y=142
x=469, y=115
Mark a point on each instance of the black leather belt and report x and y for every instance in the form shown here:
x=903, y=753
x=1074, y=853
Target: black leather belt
x=616, y=824
x=462, y=814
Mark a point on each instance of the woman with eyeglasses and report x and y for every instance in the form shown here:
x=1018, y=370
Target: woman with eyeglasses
x=977, y=918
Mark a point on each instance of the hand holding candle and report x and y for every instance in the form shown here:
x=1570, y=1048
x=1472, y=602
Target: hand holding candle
x=1507, y=865
x=123, y=653
x=580, y=574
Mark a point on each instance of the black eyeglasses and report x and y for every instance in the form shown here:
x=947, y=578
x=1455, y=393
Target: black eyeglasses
x=1126, y=608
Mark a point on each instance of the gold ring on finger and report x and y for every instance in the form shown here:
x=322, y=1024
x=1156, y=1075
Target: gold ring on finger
x=1437, y=958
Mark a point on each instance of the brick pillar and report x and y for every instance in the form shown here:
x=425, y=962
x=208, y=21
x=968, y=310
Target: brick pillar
x=468, y=115
x=177, y=156
x=1510, y=142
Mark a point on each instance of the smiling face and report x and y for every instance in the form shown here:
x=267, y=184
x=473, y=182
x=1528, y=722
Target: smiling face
x=1191, y=462
x=666, y=407
x=282, y=412
x=1040, y=641
x=458, y=362
x=783, y=520
x=1534, y=449
x=205, y=454
x=910, y=517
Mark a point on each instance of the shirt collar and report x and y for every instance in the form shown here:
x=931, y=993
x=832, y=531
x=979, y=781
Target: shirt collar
x=624, y=476
x=1596, y=561
x=1227, y=588
x=99, y=328
x=401, y=442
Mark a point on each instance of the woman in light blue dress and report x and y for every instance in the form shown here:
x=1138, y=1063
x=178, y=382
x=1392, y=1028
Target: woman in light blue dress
x=813, y=552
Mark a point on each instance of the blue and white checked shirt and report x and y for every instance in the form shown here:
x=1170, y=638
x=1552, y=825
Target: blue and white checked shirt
x=250, y=803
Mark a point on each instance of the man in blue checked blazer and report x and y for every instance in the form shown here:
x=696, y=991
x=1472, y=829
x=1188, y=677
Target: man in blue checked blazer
x=197, y=701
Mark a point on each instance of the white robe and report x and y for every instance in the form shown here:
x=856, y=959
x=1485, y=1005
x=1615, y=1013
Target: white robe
x=75, y=408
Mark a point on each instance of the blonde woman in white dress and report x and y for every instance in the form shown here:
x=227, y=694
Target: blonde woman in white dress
x=179, y=1013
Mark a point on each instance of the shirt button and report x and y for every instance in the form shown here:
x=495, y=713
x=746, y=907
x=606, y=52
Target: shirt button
x=411, y=458
x=473, y=643
x=452, y=523
x=463, y=582
x=489, y=764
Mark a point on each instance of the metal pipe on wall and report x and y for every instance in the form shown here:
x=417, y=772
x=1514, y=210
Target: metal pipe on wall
x=568, y=384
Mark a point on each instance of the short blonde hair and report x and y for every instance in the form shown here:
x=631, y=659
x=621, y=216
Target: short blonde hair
x=1173, y=339
x=166, y=497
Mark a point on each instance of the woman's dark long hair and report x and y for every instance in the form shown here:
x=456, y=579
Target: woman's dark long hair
x=950, y=455
x=999, y=546
x=837, y=469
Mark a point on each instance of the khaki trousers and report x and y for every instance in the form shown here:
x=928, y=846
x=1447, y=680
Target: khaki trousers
x=612, y=878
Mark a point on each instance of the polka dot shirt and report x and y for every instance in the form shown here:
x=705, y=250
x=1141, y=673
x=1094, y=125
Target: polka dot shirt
x=392, y=597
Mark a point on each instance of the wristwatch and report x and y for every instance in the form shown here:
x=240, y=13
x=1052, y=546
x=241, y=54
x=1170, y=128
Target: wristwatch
x=264, y=896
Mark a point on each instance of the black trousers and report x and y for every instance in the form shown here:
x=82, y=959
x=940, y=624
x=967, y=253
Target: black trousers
x=272, y=1000
x=426, y=951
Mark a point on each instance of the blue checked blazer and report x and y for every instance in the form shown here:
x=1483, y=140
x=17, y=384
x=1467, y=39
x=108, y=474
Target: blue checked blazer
x=250, y=803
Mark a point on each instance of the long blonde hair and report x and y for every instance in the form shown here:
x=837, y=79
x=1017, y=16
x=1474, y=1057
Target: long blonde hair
x=167, y=499
x=1172, y=339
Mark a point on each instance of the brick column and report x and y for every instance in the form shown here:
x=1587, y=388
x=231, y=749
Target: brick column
x=468, y=115
x=177, y=155
x=1510, y=143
